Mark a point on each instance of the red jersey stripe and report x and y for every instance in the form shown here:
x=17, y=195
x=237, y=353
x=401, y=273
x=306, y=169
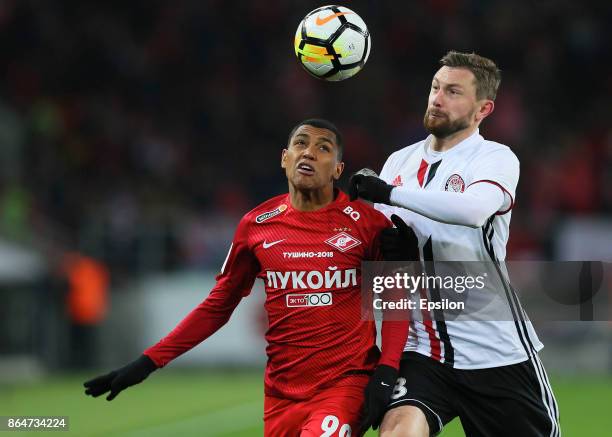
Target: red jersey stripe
x=422, y=171
x=497, y=184
x=434, y=341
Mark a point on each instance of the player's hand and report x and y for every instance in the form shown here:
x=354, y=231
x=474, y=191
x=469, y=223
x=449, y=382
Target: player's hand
x=120, y=379
x=377, y=395
x=399, y=243
x=367, y=185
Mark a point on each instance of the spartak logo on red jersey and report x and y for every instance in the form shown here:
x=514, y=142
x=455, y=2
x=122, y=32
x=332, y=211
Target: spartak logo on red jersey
x=343, y=241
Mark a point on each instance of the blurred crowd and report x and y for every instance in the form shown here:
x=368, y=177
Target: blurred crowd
x=139, y=132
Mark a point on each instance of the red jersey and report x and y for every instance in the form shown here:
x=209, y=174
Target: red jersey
x=310, y=263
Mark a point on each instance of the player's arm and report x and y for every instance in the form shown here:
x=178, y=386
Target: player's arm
x=495, y=178
x=392, y=244
x=233, y=283
x=399, y=243
x=377, y=394
x=471, y=208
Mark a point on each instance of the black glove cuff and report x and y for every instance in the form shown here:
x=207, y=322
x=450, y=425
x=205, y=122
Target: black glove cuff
x=389, y=188
x=386, y=373
x=146, y=363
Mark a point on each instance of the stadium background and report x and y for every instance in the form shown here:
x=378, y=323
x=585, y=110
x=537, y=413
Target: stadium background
x=133, y=136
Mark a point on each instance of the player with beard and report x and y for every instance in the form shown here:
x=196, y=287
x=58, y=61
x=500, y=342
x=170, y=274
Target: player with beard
x=307, y=246
x=456, y=190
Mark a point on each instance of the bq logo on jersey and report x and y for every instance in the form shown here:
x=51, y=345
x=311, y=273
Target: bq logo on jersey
x=455, y=184
x=268, y=215
x=309, y=300
x=343, y=241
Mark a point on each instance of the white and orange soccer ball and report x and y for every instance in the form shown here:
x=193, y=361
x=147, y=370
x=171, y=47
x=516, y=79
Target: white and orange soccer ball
x=332, y=43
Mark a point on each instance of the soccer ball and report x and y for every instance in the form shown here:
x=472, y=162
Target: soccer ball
x=332, y=43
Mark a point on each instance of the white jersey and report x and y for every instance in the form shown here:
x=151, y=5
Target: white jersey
x=470, y=344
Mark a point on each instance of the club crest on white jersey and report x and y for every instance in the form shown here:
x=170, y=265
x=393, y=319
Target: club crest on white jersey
x=455, y=184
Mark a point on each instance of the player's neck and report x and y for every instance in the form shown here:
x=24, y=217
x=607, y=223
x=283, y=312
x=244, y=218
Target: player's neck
x=310, y=200
x=447, y=143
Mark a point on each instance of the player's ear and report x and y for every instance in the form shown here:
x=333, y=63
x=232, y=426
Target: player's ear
x=338, y=170
x=485, y=109
x=284, y=158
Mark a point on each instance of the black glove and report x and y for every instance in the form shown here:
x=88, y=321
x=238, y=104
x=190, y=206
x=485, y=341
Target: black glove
x=120, y=379
x=377, y=395
x=366, y=184
x=399, y=243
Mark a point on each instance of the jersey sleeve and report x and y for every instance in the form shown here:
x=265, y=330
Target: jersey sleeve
x=232, y=284
x=501, y=168
x=470, y=208
x=394, y=334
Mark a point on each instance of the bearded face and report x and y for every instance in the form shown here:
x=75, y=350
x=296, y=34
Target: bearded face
x=439, y=123
x=452, y=105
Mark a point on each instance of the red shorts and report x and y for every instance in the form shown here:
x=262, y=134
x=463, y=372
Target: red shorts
x=332, y=412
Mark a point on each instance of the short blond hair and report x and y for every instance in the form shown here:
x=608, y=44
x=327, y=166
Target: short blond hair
x=488, y=76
